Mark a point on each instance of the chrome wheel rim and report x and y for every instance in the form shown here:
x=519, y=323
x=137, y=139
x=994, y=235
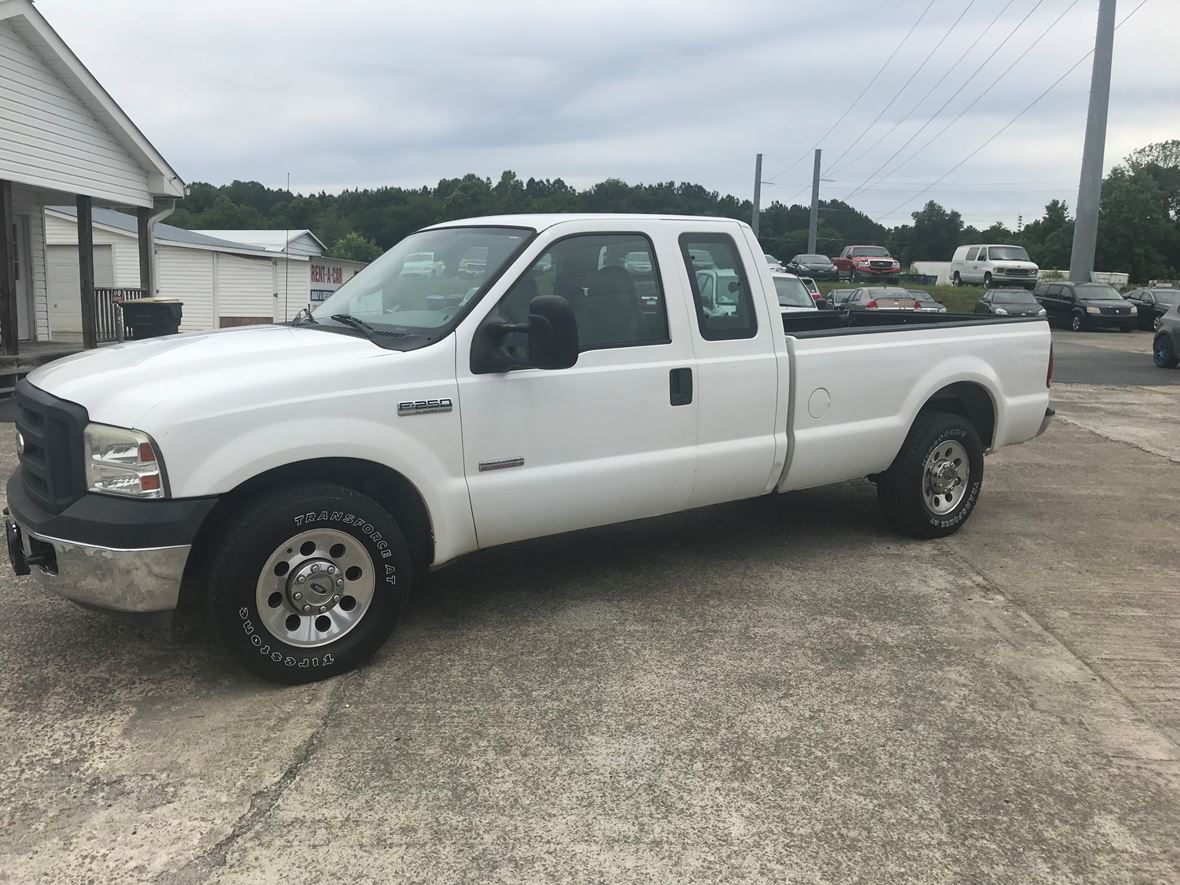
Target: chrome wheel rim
x=945, y=476
x=315, y=588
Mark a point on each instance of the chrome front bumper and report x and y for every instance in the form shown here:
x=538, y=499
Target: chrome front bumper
x=137, y=581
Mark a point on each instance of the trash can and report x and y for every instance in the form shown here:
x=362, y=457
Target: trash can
x=151, y=317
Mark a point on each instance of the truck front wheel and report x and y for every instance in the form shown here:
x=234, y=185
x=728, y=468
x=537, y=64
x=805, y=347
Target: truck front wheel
x=934, y=482
x=307, y=582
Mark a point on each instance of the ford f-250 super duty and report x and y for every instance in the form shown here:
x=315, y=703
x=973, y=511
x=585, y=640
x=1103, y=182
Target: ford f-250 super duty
x=299, y=479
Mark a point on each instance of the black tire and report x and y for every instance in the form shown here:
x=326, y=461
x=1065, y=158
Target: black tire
x=1077, y=322
x=957, y=280
x=852, y=276
x=261, y=528
x=987, y=281
x=1163, y=352
x=902, y=489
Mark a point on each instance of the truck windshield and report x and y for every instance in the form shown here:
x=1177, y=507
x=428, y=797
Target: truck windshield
x=425, y=281
x=871, y=251
x=1007, y=253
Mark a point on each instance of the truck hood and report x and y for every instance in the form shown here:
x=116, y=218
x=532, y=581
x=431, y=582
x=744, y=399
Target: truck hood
x=121, y=383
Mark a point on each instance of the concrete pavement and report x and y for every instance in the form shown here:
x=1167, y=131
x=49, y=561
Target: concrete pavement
x=776, y=690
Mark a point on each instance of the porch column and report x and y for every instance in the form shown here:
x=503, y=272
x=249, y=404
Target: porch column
x=144, y=214
x=86, y=272
x=8, y=320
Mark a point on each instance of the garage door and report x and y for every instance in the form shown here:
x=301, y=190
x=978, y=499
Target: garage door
x=65, y=303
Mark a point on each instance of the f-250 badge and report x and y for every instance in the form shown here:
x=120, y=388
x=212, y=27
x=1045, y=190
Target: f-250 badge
x=424, y=406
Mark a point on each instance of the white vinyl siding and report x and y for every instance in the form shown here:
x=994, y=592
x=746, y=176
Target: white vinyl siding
x=49, y=138
x=27, y=203
x=245, y=287
x=125, y=249
x=65, y=290
x=187, y=275
x=293, y=285
x=304, y=244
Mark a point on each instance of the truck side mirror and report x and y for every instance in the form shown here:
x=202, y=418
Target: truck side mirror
x=552, y=332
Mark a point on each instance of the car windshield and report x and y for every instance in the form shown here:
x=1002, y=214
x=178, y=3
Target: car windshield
x=889, y=293
x=1098, y=292
x=1013, y=296
x=792, y=292
x=812, y=259
x=871, y=251
x=423, y=282
x=1007, y=253
x=1167, y=296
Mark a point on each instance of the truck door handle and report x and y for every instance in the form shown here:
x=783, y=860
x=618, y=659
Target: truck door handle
x=680, y=387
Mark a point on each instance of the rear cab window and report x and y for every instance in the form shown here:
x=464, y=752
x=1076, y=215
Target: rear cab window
x=720, y=286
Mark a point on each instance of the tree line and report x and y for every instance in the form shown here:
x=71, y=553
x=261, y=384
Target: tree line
x=1138, y=233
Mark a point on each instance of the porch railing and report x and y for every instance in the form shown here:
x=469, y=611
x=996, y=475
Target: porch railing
x=108, y=317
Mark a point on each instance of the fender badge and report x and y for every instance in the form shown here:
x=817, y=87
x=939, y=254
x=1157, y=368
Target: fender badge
x=501, y=464
x=424, y=406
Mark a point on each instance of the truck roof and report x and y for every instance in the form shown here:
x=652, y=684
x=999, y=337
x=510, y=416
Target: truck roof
x=541, y=221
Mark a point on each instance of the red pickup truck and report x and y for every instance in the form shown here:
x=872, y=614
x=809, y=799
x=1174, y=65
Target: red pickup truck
x=867, y=263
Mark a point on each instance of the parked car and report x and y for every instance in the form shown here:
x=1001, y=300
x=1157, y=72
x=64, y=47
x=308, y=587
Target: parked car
x=882, y=298
x=1153, y=304
x=1084, y=306
x=837, y=297
x=818, y=267
x=1165, y=348
x=867, y=263
x=773, y=263
x=927, y=302
x=297, y=479
x=793, y=296
x=422, y=264
x=1010, y=303
x=993, y=265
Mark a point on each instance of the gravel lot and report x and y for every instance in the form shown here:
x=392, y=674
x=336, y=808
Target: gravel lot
x=776, y=690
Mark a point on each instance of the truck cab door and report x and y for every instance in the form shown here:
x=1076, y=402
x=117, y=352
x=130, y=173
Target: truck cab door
x=736, y=342
x=612, y=438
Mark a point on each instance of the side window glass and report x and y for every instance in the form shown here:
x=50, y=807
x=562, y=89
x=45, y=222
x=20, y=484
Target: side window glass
x=721, y=289
x=972, y=253
x=611, y=281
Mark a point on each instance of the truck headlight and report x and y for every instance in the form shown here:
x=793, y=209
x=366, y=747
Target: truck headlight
x=122, y=462
x=1090, y=308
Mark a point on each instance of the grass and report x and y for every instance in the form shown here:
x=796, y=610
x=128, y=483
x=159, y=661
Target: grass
x=958, y=299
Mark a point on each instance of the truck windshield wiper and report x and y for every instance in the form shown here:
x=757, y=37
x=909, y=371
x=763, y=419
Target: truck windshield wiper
x=349, y=320
x=304, y=316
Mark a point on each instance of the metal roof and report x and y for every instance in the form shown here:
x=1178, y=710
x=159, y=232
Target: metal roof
x=270, y=240
x=164, y=233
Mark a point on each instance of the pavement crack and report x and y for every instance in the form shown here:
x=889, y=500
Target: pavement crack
x=264, y=800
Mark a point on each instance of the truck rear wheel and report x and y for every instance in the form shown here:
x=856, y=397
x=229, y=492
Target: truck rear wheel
x=934, y=482
x=307, y=582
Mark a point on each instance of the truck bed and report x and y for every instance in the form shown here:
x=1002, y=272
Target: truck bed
x=843, y=322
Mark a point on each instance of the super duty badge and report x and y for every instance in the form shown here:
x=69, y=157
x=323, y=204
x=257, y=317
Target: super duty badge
x=424, y=406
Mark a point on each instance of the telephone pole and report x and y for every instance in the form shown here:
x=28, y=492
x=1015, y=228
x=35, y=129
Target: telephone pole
x=1085, y=230
x=813, y=224
x=757, y=193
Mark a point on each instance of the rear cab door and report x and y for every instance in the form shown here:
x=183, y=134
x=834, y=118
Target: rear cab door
x=741, y=362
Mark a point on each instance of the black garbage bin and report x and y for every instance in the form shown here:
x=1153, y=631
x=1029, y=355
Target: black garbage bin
x=151, y=317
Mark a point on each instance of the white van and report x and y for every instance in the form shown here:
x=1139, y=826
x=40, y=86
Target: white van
x=993, y=265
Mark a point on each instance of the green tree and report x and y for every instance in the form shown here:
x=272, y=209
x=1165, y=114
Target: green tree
x=935, y=235
x=355, y=248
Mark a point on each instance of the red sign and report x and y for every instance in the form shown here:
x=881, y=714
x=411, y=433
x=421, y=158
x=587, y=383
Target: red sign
x=322, y=273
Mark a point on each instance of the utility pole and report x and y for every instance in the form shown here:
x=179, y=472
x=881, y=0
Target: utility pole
x=757, y=193
x=1085, y=230
x=814, y=222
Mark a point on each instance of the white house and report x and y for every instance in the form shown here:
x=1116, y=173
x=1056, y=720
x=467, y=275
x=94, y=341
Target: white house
x=221, y=283
x=326, y=274
x=63, y=140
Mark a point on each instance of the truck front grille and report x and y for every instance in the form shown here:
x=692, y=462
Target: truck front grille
x=51, y=455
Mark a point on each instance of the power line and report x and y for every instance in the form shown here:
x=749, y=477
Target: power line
x=954, y=67
x=934, y=116
x=856, y=100
x=1009, y=124
x=991, y=86
x=881, y=113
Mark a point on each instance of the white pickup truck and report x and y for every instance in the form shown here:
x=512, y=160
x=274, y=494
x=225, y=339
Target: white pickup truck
x=299, y=479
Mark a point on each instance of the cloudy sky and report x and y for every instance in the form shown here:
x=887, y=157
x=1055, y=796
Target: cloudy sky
x=356, y=93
